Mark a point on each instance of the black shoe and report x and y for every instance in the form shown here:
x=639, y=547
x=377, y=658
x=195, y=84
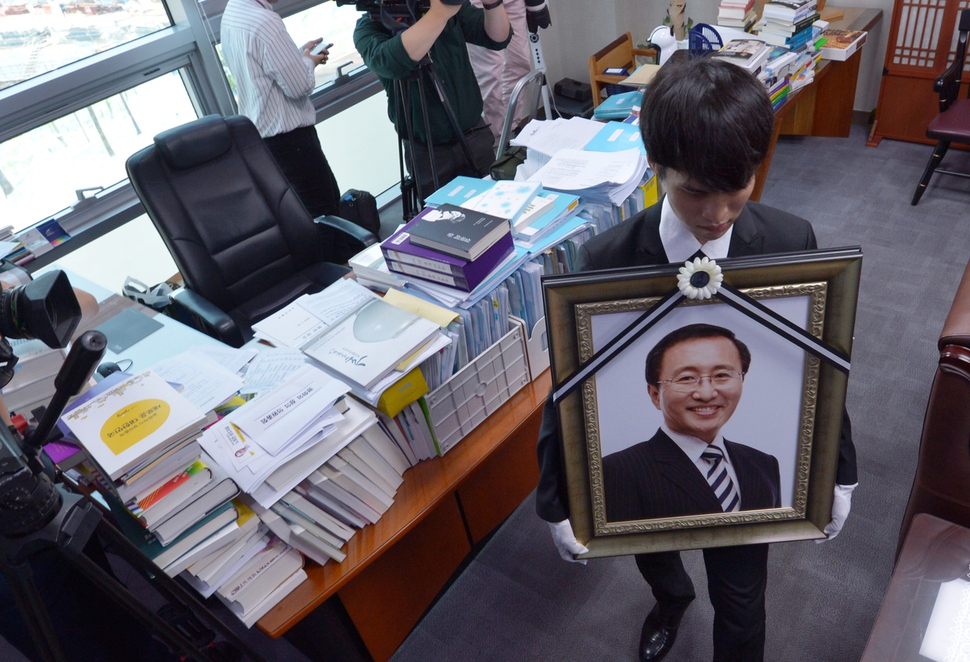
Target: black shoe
x=656, y=639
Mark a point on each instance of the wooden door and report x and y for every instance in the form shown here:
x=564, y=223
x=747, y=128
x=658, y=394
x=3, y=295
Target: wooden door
x=922, y=41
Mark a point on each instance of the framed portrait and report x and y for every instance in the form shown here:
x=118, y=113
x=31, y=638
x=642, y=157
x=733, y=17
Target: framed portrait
x=700, y=422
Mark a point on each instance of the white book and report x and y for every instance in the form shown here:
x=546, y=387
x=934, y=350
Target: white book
x=348, y=470
x=315, y=514
x=190, y=540
x=214, y=564
x=174, y=526
x=371, y=342
x=209, y=586
x=377, y=439
x=259, y=578
x=362, y=449
x=140, y=417
x=355, y=488
x=393, y=430
x=339, y=510
x=313, y=540
x=532, y=212
x=284, y=532
x=217, y=541
x=335, y=491
x=274, y=598
x=504, y=199
x=354, y=460
x=311, y=533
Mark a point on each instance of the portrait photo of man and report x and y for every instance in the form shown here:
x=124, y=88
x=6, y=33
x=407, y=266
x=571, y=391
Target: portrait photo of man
x=695, y=378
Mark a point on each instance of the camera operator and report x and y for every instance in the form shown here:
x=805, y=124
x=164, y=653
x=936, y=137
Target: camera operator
x=442, y=33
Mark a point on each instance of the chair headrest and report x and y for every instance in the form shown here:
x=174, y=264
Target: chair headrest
x=195, y=143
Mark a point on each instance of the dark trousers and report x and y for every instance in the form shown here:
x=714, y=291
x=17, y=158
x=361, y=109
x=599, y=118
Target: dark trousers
x=450, y=160
x=736, y=580
x=302, y=161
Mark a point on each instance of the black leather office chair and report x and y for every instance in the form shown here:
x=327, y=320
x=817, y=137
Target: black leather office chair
x=953, y=122
x=242, y=240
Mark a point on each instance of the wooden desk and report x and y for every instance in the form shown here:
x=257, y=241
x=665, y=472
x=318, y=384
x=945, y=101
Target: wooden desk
x=396, y=567
x=935, y=551
x=824, y=107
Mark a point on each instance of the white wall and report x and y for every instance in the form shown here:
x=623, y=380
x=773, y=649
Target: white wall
x=582, y=27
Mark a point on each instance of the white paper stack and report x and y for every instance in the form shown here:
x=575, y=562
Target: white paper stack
x=282, y=429
x=597, y=177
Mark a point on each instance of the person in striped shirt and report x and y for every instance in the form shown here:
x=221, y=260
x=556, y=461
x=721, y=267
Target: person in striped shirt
x=274, y=79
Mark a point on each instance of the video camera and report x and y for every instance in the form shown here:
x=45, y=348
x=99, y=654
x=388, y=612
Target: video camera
x=407, y=11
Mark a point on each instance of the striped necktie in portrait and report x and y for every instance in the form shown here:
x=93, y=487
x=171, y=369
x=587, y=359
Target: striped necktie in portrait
x=720, y=481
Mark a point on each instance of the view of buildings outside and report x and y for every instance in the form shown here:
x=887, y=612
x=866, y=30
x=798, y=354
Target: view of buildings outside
x=37, y=37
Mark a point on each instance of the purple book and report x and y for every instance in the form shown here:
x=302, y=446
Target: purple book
x=414, y=261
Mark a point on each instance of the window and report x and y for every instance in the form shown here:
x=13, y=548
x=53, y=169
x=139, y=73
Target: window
x=84, y=85
x=36, y=38
x=48, y=168
x=336, y=25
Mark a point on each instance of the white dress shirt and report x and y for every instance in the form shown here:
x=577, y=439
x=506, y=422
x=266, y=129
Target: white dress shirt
x=273, y=78
x=679, y=243
x=694, y=447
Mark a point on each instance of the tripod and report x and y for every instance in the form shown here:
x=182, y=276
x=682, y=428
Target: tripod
x=412, y=193
x=37, y=514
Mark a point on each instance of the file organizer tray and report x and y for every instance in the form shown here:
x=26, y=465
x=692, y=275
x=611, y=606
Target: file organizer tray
x=477, y=390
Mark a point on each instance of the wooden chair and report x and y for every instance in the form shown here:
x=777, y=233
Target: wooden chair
x=953, y=122
x=619, y=53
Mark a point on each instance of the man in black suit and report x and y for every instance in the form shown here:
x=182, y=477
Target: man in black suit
x=694, y=377
x=707, y=127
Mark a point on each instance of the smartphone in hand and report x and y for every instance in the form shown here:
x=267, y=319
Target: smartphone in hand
x=319, y=48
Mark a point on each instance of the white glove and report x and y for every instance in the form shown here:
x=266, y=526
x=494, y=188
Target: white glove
x=566, y=543
x=841, y=504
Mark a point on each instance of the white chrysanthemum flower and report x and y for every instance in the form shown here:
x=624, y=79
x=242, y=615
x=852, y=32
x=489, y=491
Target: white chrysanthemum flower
x=700, y=278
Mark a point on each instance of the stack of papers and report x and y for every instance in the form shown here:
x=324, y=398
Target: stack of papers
x=355, y=336
x=276, y=433
x=548, y=137
x=598, y=177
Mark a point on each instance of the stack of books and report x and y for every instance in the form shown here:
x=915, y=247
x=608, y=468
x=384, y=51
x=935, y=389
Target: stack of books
x=840, y=45
x=141, y=440
x=749, y=54
x=349, y=491
x=737, y=14
x=788, y=22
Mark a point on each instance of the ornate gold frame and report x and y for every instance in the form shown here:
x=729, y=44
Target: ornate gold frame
x=830, y=278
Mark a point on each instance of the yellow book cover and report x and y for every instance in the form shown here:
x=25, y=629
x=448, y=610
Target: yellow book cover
x=402, y=393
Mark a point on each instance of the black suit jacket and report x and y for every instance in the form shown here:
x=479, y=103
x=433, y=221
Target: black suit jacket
x=758, y=230
x=655, y=478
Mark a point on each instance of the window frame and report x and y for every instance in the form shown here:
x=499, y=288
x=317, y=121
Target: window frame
x=187, y=46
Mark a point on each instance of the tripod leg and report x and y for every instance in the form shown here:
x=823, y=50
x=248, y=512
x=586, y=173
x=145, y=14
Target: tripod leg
x=170, y=589
x=20, y=580
x=427, y=135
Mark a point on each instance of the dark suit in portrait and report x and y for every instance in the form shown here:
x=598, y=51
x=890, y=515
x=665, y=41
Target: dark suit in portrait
x=655, y=479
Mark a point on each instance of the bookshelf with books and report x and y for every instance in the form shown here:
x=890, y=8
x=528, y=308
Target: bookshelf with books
x=824, y=107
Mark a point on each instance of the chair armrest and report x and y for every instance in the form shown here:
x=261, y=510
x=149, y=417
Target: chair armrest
x=199, y=312
x=947, y=84
x=364, y=237
x=956, y=329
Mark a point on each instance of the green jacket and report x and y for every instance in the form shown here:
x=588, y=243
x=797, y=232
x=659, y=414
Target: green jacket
x=384, y=54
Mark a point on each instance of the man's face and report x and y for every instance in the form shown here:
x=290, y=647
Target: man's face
x=707, y=214
x=699, y=411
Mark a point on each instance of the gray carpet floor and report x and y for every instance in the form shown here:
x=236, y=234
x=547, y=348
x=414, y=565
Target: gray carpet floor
x=518, y=601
